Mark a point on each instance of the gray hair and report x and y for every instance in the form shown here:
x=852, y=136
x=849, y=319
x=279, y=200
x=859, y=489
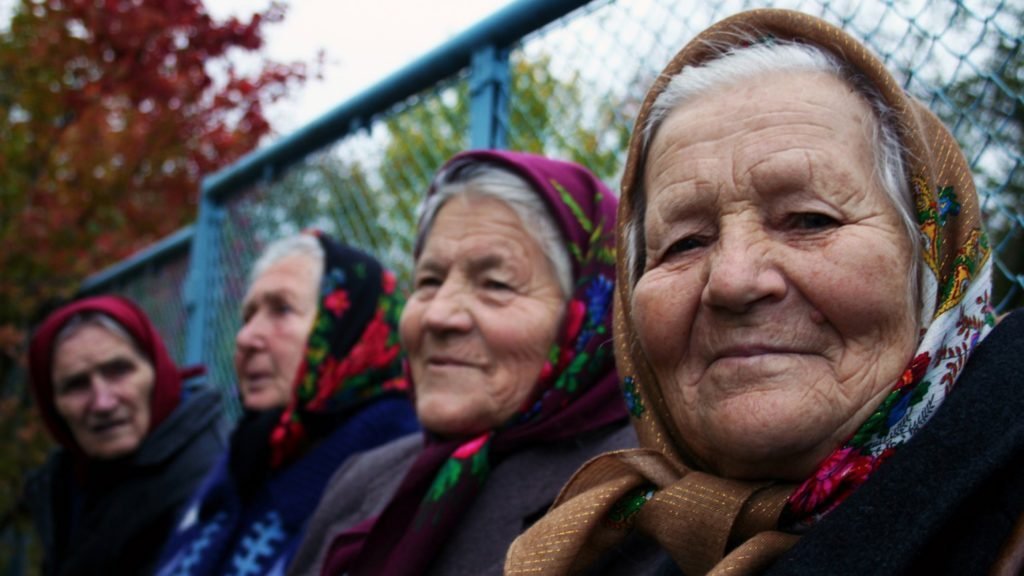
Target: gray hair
x=738, y=64
x=298, y=244
x=94, y=319
x=493, y=181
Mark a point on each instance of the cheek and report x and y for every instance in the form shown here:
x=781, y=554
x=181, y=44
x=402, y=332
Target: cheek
x=70, y=408
x=142, y=397
x=293, y=348
x=520, y=349
x=865, y=294
x=409, y=326
x=663, y=313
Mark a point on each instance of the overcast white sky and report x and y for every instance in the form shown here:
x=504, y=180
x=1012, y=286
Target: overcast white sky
x=363, y=40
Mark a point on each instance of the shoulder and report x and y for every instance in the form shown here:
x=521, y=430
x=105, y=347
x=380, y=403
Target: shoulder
x=366, y=464
x=561, y=458
x=1003, y=345
x=362, y=486
x=197, y=428
x=517, y=493
x=359, y=489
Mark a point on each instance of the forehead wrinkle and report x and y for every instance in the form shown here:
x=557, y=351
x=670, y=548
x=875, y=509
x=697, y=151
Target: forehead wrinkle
x=787, y=170
x=95, y=356
x=682, y=198
x=268, y=295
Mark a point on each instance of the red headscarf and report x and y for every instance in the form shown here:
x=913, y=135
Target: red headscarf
x=167, y=385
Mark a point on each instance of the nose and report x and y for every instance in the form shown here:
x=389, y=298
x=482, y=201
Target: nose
x=446, y=310
x=251, y=335
x=742, y=271
x=103, y=397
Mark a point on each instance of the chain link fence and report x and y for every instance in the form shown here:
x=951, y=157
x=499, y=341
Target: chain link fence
x=571, y=89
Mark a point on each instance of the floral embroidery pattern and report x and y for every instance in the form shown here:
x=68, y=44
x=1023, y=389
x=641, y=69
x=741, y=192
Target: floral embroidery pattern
x=332, y=380
x=622, y=513
x=634, y=402
x=337, y=302
x=471, y=455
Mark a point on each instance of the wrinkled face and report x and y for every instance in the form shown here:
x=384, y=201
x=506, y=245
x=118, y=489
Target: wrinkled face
x=277, y=315
x=102, y=389
x=484, y=313
x=774, y=306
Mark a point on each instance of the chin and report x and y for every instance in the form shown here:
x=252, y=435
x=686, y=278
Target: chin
x=442, y=418
x=262, y=400
x=784, y=448
x=775, y=467
x=112, y=451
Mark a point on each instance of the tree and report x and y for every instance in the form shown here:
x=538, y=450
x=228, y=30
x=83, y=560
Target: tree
x=111, y=112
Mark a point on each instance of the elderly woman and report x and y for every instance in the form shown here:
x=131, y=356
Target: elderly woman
x=321, y=377
x=132, y=449
x=508, y=336
x=804, y=329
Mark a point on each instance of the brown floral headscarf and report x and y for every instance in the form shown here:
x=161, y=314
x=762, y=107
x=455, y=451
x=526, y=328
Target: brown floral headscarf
x=712, y=524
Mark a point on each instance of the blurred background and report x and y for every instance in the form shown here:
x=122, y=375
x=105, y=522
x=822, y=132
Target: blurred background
x=151, y=148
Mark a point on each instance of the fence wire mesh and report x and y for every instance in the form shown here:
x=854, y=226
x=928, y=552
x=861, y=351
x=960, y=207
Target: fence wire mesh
x=575, y=87
x=158, y=289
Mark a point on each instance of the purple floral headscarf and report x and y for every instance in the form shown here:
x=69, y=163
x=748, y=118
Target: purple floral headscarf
x=576, y=392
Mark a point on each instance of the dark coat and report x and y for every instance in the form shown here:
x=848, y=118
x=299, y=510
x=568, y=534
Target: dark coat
x=518, y=491
x=126, y=510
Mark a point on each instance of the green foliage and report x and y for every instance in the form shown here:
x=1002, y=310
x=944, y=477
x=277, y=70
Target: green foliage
x=553, y=116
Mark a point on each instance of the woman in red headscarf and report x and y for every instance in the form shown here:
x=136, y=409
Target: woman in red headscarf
x=132, y=450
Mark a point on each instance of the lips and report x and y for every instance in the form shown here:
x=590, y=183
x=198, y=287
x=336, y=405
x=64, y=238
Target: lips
x=442, y=361
x=752, y=351
x=256, y=375
x=107, y=426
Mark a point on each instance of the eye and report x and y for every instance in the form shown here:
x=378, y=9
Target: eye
x=117, y=368
x=281, y=308
x=498, y=285
x=812, y=221
x=685, y=245
x=427, y=281
x=279, y=305
x=73, y=384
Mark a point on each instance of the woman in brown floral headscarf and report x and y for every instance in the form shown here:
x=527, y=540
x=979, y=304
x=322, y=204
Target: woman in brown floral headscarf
x=803, y=327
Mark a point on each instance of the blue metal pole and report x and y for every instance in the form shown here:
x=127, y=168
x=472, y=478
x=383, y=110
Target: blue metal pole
x=200, y=286
x=489, y=86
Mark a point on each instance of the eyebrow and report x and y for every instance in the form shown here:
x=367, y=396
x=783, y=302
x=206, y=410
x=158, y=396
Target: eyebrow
x=269, y=295
x=473, y=265
x=484, y=263
x=683, y=199
x=59, y=383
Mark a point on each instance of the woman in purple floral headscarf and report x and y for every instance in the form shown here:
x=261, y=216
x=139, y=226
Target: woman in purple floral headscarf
x=508, y=334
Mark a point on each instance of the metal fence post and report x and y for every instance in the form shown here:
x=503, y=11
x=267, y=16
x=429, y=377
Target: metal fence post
x=489, y=85
x=200, y=286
